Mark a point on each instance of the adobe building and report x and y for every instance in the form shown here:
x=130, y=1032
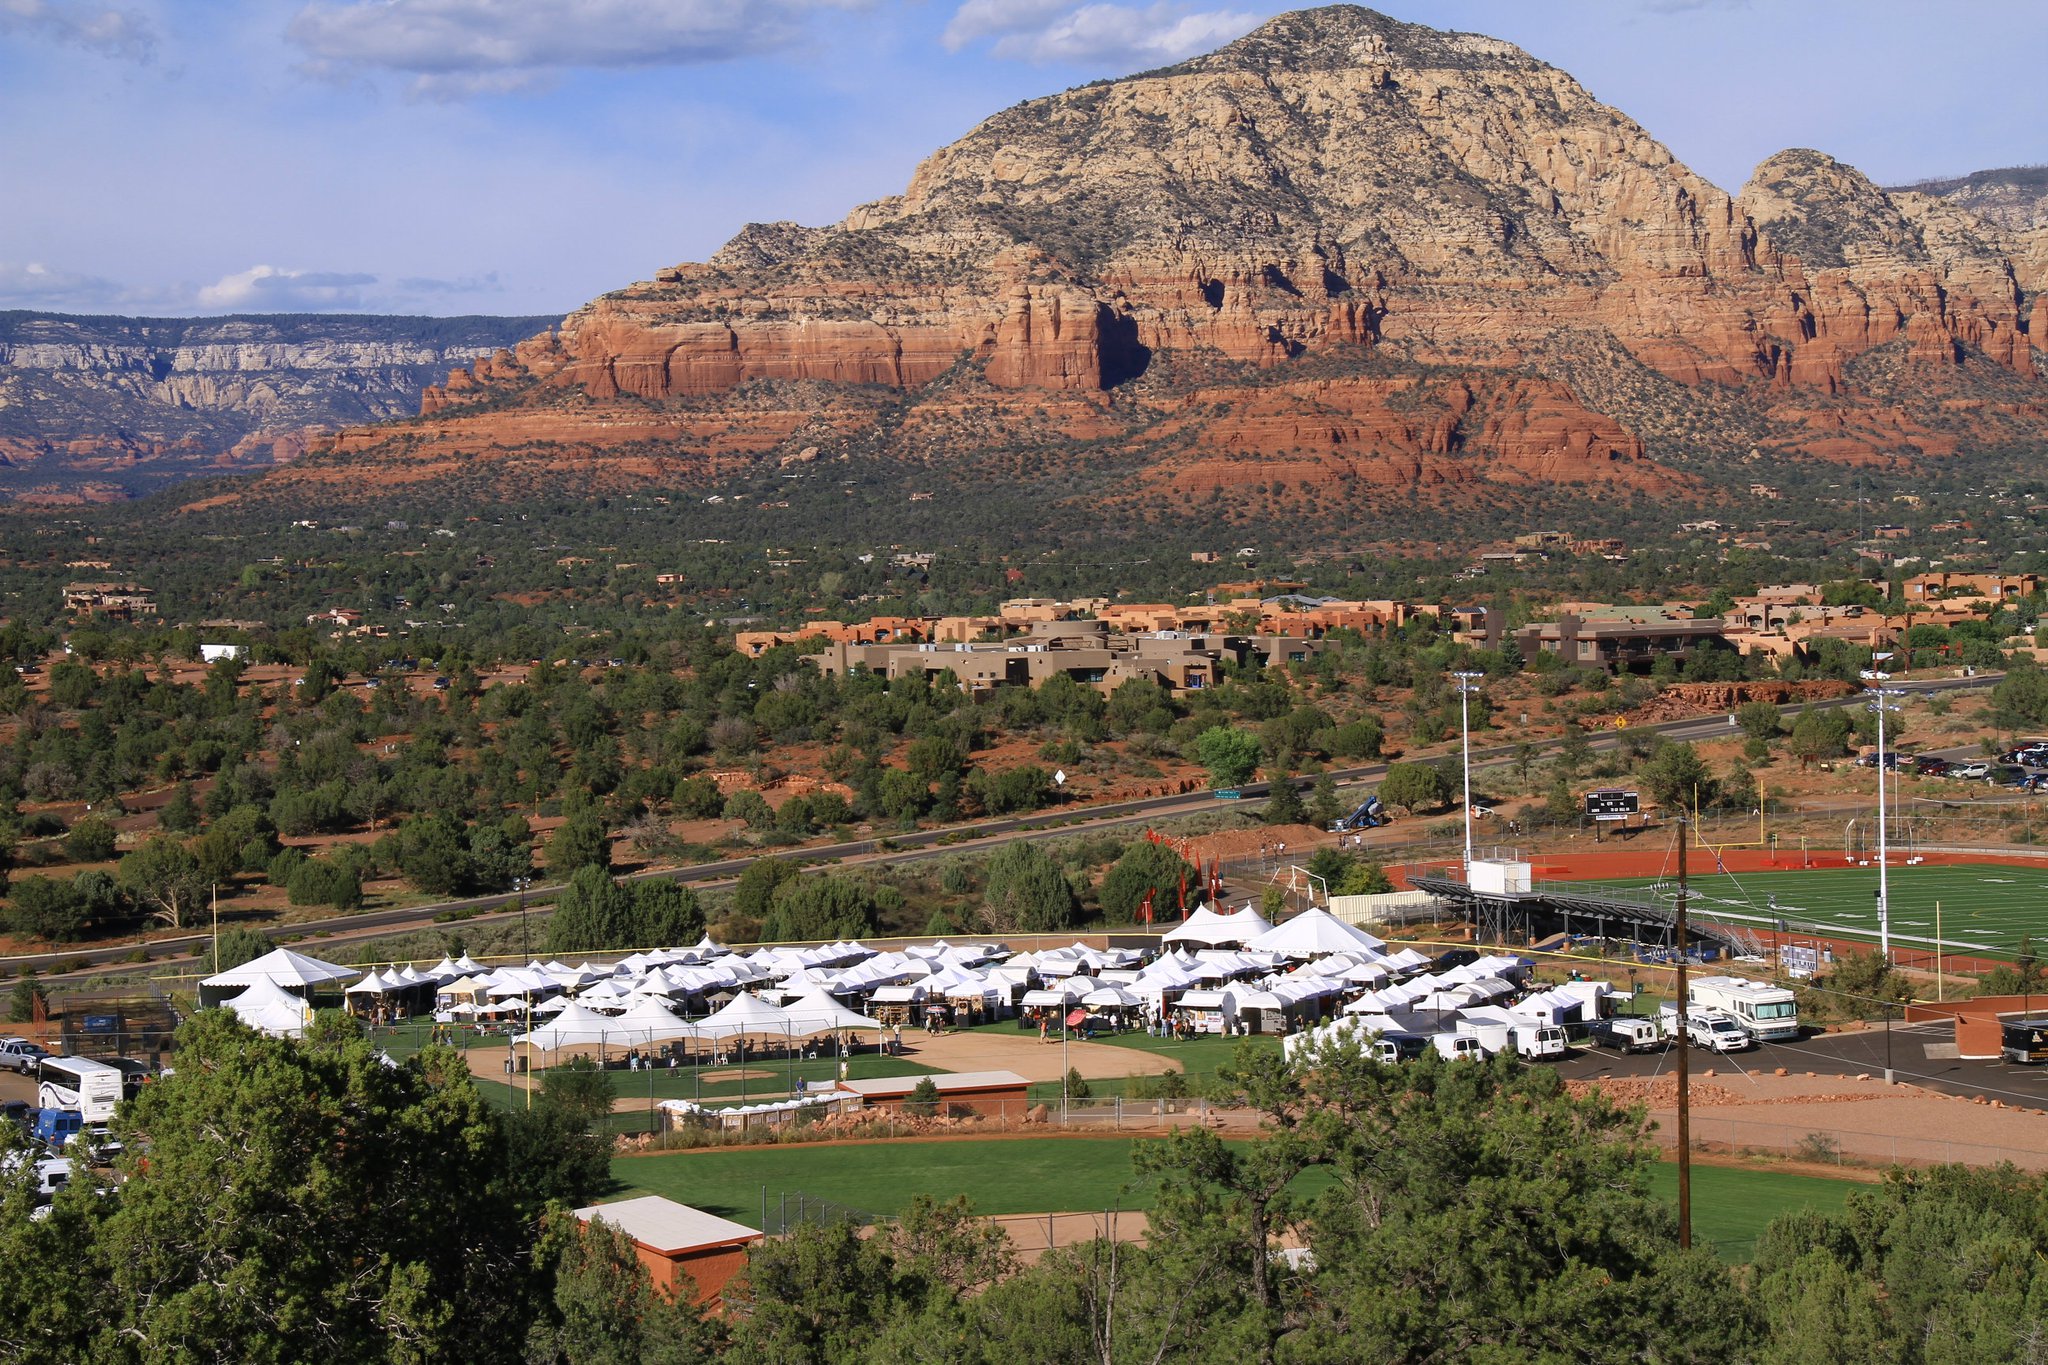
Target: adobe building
x=689, y=1254
x=1089, y=652
x=1619, y=638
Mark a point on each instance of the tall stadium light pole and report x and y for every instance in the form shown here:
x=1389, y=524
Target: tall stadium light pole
x=1875, y=681
x=1468, y=683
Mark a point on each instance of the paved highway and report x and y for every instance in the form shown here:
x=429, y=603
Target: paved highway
x=893, y=849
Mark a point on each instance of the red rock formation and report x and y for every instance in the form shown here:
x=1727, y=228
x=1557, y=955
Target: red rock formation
x=1337, y=192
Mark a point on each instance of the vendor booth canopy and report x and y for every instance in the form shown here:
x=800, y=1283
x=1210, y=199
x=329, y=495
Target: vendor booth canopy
x=1110, y=997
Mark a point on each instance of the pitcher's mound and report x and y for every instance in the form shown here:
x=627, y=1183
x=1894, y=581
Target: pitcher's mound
x=738, y=1075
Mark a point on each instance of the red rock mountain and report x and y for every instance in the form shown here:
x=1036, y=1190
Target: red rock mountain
x=1343, y=253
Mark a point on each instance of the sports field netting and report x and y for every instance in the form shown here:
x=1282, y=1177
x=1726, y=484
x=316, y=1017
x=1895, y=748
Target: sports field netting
x=1985, y=908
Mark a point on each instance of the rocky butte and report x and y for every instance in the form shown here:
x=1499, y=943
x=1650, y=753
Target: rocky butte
x=1340, y=254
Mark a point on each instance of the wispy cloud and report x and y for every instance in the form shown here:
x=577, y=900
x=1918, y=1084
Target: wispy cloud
x=110, y=32
x=454, y=49
x=1094, y=34
x=267, y=289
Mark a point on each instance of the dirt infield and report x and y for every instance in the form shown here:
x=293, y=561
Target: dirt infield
x=1002, y=1050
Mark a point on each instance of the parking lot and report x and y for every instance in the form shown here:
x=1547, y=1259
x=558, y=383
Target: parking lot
x=1921, y=1054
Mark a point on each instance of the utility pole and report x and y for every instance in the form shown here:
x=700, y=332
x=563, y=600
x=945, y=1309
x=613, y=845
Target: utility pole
x=1468, y=683
x=1684, y=1064
x=1879, y=692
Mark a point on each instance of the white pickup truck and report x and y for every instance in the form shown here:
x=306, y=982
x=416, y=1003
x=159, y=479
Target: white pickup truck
x=19, y=1054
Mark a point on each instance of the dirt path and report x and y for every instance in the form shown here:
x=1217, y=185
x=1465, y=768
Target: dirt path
x=1821, y=1119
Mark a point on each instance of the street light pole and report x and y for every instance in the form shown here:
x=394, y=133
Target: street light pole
x=1468, y=683
x=1876, y=680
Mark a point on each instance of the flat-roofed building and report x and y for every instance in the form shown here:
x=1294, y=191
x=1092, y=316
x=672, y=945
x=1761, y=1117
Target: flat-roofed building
x=690, y=1255
x=1619, y=638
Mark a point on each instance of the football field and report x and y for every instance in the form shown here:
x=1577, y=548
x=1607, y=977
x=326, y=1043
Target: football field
x=1984, y=908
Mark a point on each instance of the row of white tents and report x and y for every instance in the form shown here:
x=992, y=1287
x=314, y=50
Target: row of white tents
x=1225, y=963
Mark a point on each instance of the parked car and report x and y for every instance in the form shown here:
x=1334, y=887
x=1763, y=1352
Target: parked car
x=1716, y=1032
x=21, y=1055
x=2005, y=775
x=1927, y=765
x=1970, y=772
x=51, y=1173
x=1626, y=1033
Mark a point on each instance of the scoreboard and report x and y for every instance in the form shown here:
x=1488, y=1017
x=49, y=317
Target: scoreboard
x=1612, y=803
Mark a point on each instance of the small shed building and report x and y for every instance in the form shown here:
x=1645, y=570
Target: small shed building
x=689, y=1254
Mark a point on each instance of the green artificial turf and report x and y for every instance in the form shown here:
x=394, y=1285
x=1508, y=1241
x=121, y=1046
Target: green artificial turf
x=1985, y=909
x=1731, y=1206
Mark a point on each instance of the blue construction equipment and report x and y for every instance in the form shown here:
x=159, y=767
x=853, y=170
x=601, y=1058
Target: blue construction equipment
x=1369, y=815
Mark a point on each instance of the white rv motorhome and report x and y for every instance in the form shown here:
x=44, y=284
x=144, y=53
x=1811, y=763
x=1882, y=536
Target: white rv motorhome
x=1766, y=1013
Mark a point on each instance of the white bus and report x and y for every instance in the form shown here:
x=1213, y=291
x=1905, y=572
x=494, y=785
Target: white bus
x=89, y=1089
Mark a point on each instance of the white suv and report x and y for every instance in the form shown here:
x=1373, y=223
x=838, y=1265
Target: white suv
x=1716, y=1032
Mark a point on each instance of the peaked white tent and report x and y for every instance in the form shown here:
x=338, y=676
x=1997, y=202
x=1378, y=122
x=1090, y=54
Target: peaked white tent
x=650, y=1021
x=270, y=1008
x=285, y=968
x=816, y=1012
x=1315, y=932
x=744, y=1016
x=576, y=1026
x=1213, y=930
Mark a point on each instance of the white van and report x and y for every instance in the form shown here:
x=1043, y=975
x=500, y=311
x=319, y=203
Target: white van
x=1456, y=1047
x=1536, y=1041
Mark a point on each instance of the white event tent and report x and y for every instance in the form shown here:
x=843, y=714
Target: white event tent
x=1213, y=930
x=1315, y=932
x=269, y=1008
x=281, y=967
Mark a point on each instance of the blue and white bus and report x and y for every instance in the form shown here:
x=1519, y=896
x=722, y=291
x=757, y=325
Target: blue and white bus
x=87, y=1088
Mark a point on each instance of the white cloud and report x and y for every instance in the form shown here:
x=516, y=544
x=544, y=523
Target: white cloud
x=105, y=30
x=1095, y=34
x=457, y=48
x=266, y=289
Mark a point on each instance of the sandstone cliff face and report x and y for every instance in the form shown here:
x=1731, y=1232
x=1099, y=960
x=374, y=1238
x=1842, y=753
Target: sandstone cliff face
x=1336, y=193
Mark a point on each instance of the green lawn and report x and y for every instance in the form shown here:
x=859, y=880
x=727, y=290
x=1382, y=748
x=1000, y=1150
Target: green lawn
x=1985, y=909
x=1731, y=1206
x=1028, y=1175
x=1039, y=1175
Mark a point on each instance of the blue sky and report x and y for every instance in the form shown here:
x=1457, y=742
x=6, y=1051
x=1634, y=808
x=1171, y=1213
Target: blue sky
x=522, y=156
